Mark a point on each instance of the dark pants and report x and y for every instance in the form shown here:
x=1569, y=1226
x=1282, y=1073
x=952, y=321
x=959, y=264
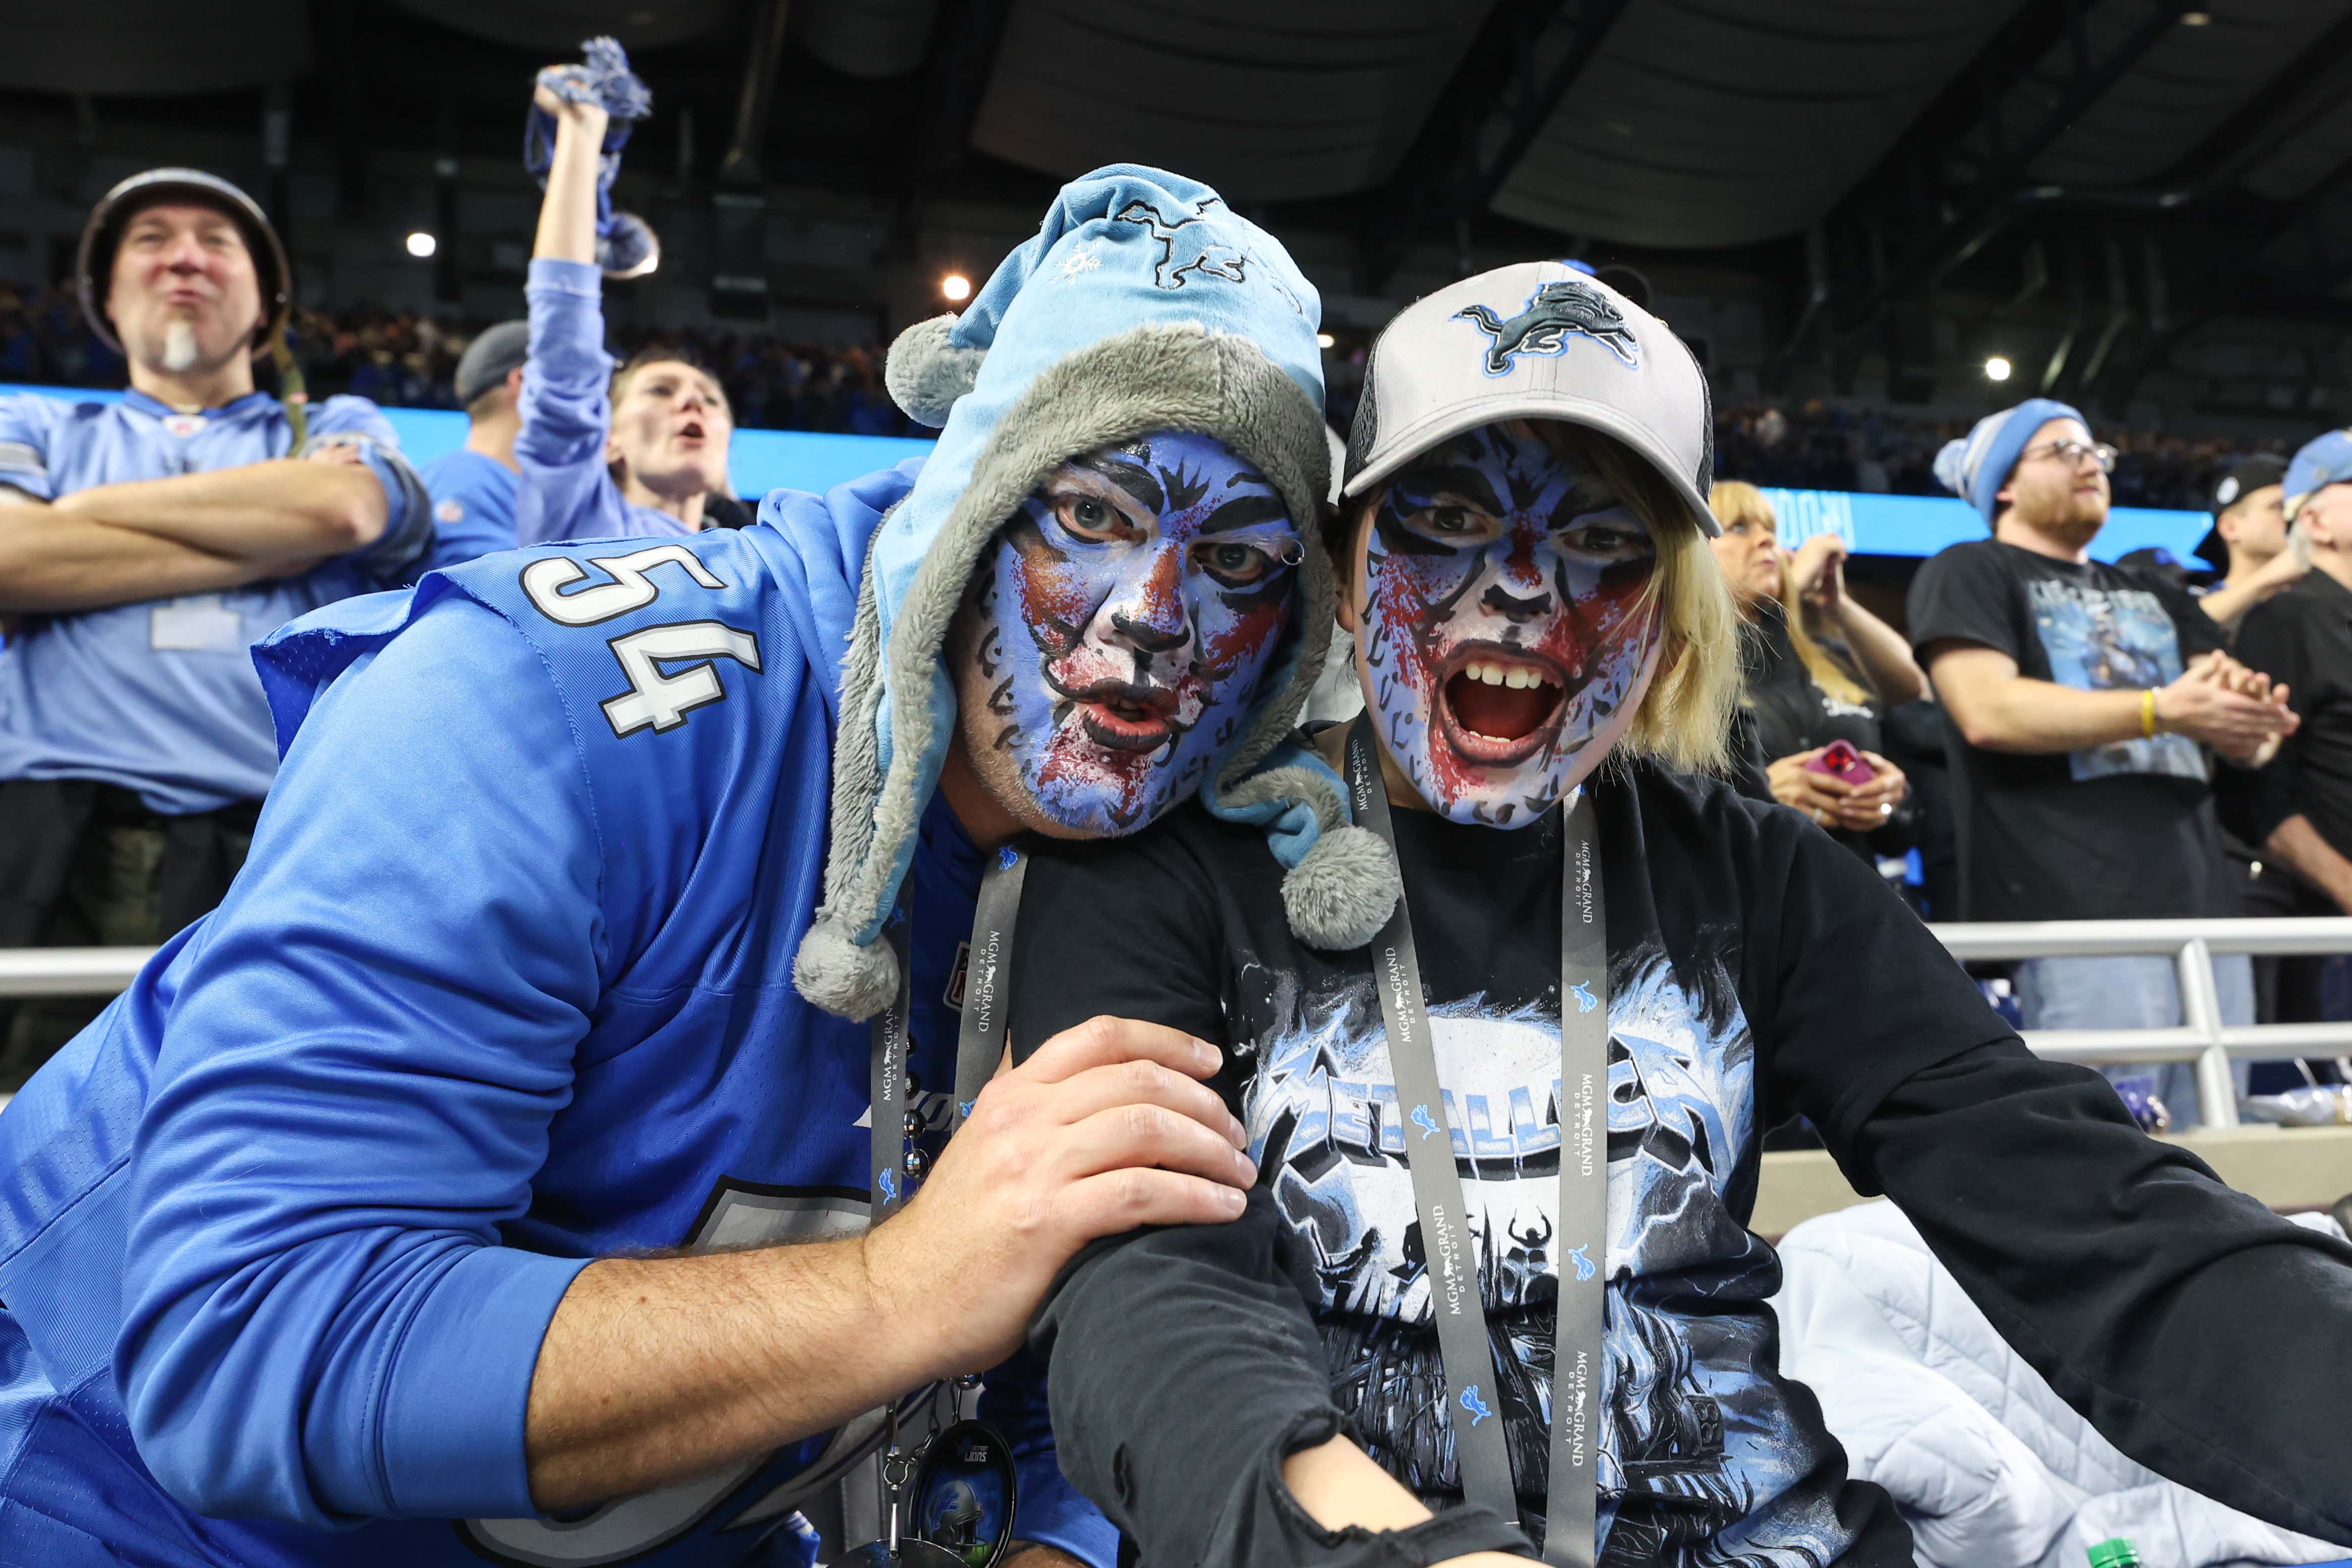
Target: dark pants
x=2297, y=988
x=84, y=864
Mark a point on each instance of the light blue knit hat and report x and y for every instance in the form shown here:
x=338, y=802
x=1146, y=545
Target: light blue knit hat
x=1975, y=467
x=1144, y=303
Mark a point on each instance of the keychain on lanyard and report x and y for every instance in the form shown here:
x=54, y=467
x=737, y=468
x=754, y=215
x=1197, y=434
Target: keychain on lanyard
x=959, y=1488
x=1573, y=1508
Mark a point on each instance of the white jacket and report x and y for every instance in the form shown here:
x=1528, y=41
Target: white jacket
x=1992, y=1470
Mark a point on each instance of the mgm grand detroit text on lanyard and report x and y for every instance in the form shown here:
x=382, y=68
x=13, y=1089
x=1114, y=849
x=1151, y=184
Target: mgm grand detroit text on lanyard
x=950, y=1504
x=1572, y=1507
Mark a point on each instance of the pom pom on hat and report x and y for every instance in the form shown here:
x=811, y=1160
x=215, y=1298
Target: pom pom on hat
x=1343, y=890
x=1977, y=465
x=927, y=371
x=832, y=972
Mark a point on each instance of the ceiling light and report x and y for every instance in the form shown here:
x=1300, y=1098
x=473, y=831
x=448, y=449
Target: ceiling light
x=1324, y=339
x=956, y=285
x=422, y=245
x=1996, y=369
x=2196, y=18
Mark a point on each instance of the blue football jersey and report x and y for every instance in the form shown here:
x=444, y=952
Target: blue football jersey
x=473, y=508
x=160, y=697
x=504, y=986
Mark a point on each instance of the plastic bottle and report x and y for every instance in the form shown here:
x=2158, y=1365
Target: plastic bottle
x=2117, y=1552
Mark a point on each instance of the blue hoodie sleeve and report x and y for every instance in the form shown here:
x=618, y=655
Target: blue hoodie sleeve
x=366, y=1046
x=566, y=492
x=1051, y=1510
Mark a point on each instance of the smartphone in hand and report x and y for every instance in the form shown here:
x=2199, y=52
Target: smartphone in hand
x=1840, y=760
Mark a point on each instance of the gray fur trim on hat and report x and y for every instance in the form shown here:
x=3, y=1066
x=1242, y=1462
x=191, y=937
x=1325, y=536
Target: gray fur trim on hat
x=1343, y=889
x=1343, y=892
x=1156, y=377
x=848, y=981
x=925, y=372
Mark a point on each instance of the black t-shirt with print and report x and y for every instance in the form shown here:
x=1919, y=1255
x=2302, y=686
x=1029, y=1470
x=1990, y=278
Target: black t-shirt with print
x=2121, y=831
x=1757, y=971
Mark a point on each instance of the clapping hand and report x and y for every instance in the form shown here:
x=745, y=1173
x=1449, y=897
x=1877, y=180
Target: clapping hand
x=2239, y=711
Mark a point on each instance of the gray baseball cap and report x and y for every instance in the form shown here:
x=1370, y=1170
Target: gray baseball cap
x=1540, y=340
x=489, y=356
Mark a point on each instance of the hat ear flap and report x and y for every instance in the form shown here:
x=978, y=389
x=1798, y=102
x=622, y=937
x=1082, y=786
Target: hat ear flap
x=928, y=371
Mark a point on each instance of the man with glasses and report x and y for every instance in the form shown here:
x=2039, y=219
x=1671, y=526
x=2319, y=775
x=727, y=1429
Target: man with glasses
x=2080, y=698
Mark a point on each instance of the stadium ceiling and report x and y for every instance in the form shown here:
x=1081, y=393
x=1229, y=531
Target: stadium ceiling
x=2132, y=161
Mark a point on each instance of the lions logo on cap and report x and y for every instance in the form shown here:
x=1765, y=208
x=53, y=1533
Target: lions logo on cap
x=1552, y=312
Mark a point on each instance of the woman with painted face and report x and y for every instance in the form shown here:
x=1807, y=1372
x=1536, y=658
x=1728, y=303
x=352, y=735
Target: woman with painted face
x=604, y=454
x=1506, y=1048
x=1797, y=700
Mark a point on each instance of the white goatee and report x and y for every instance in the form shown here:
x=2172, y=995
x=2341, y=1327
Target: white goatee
x=179, y=347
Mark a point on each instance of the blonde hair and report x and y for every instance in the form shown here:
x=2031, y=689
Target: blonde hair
x=1737, y=502
x=1685, y=720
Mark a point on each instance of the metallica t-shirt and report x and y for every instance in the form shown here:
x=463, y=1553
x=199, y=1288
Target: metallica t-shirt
x=2115, y=832
x=1756, y=970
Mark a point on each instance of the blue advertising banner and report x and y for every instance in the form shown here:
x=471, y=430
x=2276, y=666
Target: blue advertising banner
x=763, y=460
x=1921, y=525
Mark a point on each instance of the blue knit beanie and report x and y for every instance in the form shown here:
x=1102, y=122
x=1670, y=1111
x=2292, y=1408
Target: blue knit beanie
x=1975, y=467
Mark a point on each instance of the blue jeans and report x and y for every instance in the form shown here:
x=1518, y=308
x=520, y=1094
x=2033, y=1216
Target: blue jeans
x=2138, y=992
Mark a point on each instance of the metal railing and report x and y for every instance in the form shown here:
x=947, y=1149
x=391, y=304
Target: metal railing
x=69, y=971
x=2201, y=1037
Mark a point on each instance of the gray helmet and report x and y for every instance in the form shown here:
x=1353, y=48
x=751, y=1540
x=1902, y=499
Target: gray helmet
x=94, y=264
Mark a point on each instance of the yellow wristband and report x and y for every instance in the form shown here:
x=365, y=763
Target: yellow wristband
x=2147, y=714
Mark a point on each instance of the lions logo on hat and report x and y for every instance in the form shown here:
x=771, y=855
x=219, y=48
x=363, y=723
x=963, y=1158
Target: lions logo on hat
x=1552, y=312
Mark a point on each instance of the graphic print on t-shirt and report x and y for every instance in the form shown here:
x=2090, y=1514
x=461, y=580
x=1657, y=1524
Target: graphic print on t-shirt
x=2114, y=640
x=1698, y=1435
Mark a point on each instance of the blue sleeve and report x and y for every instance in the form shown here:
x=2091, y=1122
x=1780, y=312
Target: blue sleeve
x=25, y=428
x=825, y=566
x=1051, y=1511
x=473, y=509
x=353, y=1093
x=408, y=513
x=566, y=492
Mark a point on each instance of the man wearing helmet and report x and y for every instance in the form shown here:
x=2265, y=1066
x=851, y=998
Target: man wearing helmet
x=144, y=546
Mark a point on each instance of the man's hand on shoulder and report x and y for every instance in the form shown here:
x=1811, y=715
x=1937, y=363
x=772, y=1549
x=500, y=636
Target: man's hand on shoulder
x=1107, y=1128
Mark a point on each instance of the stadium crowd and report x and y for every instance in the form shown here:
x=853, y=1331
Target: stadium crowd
x=403, y=359
x=212, y=598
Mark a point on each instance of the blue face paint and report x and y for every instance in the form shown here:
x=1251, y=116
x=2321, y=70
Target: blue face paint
x=1125, y=615
x=1507, y=623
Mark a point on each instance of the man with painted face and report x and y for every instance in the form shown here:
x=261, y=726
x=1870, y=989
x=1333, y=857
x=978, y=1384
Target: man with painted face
x=443, y=1174
x=1120, y=607
x=1508, y=1120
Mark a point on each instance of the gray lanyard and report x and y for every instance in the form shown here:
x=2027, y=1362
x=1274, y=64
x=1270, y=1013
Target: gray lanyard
x=1474, y=1402
x=893, y=1166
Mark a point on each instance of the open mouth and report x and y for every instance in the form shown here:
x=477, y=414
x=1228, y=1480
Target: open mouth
x=1499, y=706
x=1121, y=716
x=690, y=431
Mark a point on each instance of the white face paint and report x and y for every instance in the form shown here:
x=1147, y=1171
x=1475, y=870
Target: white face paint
x=1509, y=628
x=179, y=347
